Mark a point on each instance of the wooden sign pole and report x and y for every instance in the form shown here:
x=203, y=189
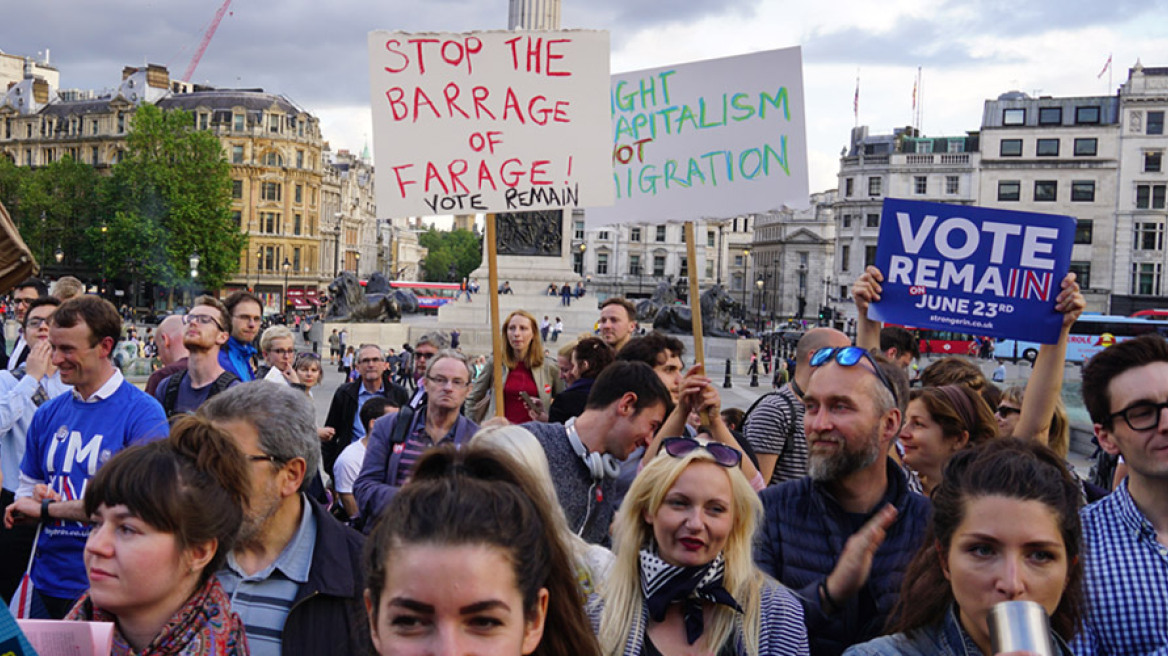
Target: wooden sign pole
x=695, y=304
x=496, y=329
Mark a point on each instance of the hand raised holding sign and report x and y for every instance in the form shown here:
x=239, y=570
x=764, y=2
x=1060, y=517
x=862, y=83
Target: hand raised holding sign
x=1070, y=301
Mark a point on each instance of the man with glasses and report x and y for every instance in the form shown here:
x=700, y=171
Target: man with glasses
x=345, y=410
x=842, y=538
x=24, y=294
x=393, y=450
x=294, y=574
x=1125, y=534
x=247, y=315
x=204, y=333
x=69, y=438
x=425, y=348
x=278, y=345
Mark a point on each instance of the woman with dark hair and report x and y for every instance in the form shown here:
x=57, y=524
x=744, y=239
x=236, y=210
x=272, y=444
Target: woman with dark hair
x=466, y=559
x=525, y=372
x=165, y=516
x=1005, y=527
x=938, y=422
x=590, y=356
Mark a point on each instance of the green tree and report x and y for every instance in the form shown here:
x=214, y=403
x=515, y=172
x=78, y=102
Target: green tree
x=60, y=207
x=171, y=197
x=458, y=248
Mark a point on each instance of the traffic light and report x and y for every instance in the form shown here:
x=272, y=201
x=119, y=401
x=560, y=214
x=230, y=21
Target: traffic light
x=822, y=312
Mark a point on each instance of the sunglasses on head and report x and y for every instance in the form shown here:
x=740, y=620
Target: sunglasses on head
x=849, y=356
x=680, y=447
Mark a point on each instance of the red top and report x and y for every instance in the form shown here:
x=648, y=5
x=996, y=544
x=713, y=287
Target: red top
x=519, y=380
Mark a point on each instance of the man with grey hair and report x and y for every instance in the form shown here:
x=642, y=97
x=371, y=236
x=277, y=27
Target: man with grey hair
x=773, y=426
x=294, y=575
x=344, y=415
x=424, y=349
x=842, y=537
x=398, y=440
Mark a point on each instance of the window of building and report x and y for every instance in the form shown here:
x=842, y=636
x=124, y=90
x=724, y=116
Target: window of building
x=1011, y=148
x=602, y=235
x=93, y=127
x=237, y=154
x=845, y=256
x=1150, y=196
x=1146, y=278
x=1086, y=147
x=273, y=122
x=237, y=189
x=269, y=222
x=237, y=123
x=1013, y=117
x=920, y=185
x=804, y=259
x=296, y=259
x=1153, y=160
x=709, y=268
x=955, y=146
x=1009, y=190
x=873, y=221
x=1084, y=231
x=634, y=265
x=1149, y=236
x=711, y=238
x=602, y=263
x=1047, y=148
x=1045, y=191
x=849, y=187
x=299, y=193
x=1155, y=125
x=661, y=233
x=1083, y=191
x=300, y=159
x=924, y=147
x=1087, y=115
x=119, y=155
x=659, y=265
x=94, y=156
x=635, y=234
x=1050, y=116
x=237, y=218
x=869, y=256
x=270, y=191
x=269, y=258
x=578, y=263
x=875, y=186
x=273, y=159
x=296, y=221
x=739, y=260
x=684, y=273
x=122, y=123
x=1082, y=271
x=847, y=221
x=952, y=185
x=578, y=229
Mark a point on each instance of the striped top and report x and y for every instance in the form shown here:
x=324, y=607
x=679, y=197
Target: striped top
x=264, y=599
x=768, y=428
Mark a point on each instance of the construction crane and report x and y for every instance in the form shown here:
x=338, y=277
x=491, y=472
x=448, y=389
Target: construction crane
x=206, y=41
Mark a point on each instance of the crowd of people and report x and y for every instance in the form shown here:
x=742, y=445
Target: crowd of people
x=606, y=503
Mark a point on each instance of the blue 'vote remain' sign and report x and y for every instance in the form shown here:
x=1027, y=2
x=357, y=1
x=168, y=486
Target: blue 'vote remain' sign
x=972, y=270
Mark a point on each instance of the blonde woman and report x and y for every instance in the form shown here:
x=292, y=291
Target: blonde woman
x=684, y=579
x=525, y=372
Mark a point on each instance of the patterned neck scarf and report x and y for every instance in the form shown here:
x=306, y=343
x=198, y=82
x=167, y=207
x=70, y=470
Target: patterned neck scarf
x=204, y=626
x=663, y=584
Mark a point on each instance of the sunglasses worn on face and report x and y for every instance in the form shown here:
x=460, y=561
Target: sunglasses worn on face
x=679, y=447
x=1004, y=411
x=849, y=356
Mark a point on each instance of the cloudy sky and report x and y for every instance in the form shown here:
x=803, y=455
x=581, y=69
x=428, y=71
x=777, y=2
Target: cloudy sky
x=315, y=52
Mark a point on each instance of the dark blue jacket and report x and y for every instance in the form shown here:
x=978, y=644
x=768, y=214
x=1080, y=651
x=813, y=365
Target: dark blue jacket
x=801, y=538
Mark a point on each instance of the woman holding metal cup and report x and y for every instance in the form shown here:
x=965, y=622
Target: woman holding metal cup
x=1005, y=528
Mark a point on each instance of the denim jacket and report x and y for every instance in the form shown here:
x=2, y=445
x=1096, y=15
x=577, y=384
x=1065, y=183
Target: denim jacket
x=945, y=639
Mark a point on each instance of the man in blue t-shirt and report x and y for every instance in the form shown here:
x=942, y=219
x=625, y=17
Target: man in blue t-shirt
x=205, y=330
x=69, y=438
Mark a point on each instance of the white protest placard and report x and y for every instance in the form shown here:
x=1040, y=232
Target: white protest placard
x=713, y=138
x=489, y=121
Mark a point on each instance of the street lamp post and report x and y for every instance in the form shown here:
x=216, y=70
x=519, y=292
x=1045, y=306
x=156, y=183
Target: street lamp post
x=337, y=246
x=193, y=260
x=287, y=266
x=357, y=265
x=583, y=250
x=104, y=230
x=745, y=272
x=760, y=283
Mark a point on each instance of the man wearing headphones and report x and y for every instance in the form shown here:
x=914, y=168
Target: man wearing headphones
x=627, y=404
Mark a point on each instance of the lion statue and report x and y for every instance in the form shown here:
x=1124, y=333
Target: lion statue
x=349, y=303
x=717, y=309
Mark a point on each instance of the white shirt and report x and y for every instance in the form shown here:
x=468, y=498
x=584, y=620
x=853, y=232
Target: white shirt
x=348, y=466
x=105, y=391
x=13, y=357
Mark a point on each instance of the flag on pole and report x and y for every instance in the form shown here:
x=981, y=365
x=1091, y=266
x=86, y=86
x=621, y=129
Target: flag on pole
x=856, y=100
x=915, y=80
x=21, y=602
x=1105, y=67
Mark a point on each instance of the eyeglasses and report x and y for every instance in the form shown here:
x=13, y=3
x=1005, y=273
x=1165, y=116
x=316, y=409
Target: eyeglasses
x=1004, y=411
x=680, y=447
x=1141, y=415
x=265, y=458
x=419, y=355
x=277, y=351
x=308, y=355
x=201, y=319
x=442, y=381
x=849, y=356
x=32, y=323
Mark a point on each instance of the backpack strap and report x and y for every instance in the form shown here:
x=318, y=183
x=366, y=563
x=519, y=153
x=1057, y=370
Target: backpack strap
x=221, y=383
x=170, y=396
